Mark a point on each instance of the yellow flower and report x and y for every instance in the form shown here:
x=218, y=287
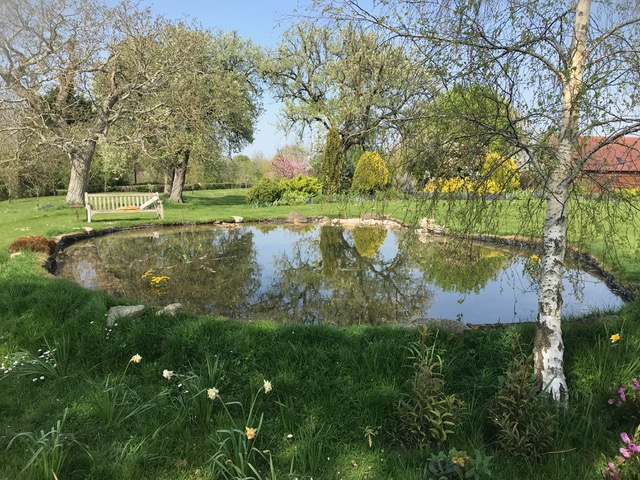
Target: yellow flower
x=136, y=359
x=212, y=393
x=250, y=432
x=535, y=257
x=267, y=386
x=147, y=274
x=615, y=337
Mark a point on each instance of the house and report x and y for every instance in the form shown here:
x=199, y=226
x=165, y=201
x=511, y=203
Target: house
x=614, y=165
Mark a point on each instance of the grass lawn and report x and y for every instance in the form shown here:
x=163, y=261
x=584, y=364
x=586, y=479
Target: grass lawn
x=75, y=400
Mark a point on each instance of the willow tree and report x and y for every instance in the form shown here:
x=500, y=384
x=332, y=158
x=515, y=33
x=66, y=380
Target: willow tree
x=359, y=82
x=569, y=68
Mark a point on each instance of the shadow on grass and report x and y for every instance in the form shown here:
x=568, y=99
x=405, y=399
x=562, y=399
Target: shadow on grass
x=226, y=200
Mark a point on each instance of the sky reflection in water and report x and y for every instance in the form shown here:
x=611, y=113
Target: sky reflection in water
x=325, y=274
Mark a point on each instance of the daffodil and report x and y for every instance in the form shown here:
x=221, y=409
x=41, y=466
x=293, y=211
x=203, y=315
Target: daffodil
x=167, y=374
x=267, y=386
x=250, y=432
x=615, y=337
x=136, y=359
x=212, y=393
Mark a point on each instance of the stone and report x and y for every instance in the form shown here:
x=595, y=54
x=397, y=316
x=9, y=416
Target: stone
x=88, y=230
x=16, y=254
x=372, y=216
x=123, y=311
x=170, y=309
x=295, y=217
x=238, y=219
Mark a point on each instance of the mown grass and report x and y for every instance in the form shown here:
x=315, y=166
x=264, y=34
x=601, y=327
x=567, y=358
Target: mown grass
x=125, y=420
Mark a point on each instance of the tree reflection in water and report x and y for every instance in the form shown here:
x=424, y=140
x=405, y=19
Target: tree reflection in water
x=344, y=287
x=319, y=274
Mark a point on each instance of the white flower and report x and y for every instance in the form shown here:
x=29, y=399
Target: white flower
x=212, y=393
x=267, y=386
x=136, y=358
x=167, y=374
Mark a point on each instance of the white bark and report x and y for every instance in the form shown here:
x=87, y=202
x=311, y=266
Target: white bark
x=549, y=349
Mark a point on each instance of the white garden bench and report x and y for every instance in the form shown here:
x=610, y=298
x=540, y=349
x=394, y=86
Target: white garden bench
x=123, y=203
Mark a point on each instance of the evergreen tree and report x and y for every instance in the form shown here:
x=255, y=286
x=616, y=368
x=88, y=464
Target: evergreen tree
x=332, y=162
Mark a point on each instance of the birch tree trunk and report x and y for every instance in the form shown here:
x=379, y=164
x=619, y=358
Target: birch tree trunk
x=549, y=348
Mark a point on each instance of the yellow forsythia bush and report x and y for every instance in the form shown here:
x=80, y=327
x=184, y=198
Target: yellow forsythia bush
x=498, y=175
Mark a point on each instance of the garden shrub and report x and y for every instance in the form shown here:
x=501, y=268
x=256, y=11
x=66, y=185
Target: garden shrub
x=457, y=465
x=265, y=192
x=35, y=244
x=371, y=173
x=308, y=186
x=498, y=175
x=521, y=413
x=429, y=414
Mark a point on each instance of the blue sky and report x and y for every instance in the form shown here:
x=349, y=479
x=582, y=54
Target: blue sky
x=261, y=21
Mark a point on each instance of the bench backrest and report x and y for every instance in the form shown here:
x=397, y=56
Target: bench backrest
x=112, y=201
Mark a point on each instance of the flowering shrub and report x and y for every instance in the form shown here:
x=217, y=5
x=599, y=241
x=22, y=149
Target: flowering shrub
x=284, y=167
x=627, y=464
x=626, y=399
x=498, y=175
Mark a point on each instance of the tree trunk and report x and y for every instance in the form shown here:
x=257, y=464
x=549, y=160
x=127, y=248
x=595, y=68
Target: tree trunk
x=168, y=181
x=179, y=177
x=549, y=349
x=80, y=162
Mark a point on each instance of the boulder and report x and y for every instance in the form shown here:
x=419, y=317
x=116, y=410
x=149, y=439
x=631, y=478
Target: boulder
x=295, y=217
x=170, y=309
x=123, y=311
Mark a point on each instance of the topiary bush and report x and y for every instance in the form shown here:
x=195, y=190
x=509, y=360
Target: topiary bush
x=265, y=192
x=371, y=173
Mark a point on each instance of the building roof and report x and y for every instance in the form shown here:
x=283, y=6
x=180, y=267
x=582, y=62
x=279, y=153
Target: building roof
x=621, y=156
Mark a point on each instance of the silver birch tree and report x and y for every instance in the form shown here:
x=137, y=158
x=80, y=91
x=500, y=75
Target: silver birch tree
x=569, y=69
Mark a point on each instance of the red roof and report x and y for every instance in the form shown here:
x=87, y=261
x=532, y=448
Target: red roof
x=621, y=156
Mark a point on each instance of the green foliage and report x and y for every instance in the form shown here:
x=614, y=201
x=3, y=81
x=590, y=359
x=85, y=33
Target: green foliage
x=332, y=162
x=48, y=450
x=522, y=412
x=265, y=192
x=429, y=414
x=368, y=240
x=299, y=189
x=371, y=174
x=457, y=465
x=308, y=186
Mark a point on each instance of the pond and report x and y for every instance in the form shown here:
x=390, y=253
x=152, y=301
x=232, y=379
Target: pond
x=322, y=274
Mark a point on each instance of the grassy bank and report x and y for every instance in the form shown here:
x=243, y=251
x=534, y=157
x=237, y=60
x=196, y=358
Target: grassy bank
x=334, y=410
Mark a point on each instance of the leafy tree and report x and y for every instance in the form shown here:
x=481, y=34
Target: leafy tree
x=208, y=108
x=462, y=124
x=345, y=77
x=50, y=53
x=570, y=69
x=371, y=173
x=332, y=162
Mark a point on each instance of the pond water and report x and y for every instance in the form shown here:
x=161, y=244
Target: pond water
x=322, y=274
